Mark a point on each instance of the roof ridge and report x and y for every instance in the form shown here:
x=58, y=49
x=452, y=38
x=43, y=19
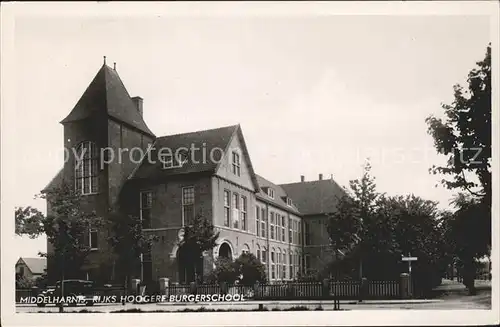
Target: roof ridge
x=198, y=131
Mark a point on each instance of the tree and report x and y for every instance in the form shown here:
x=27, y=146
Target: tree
x=128, y=242
x=199, y=236
x=353, y=220
x=465, y=138
x=249, y=269
x=225, y=271
x=67, y=226
x=29, y=221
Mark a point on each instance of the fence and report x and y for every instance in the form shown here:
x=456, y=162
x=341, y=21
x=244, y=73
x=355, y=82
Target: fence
x=298, y=290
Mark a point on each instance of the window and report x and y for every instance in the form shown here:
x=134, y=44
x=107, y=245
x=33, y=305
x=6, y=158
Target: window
x=270, y=192
x=93, y=239
x=187, y=205
x=290, y=264
x=307, y=259
x=257, y=220
x=278, y=266
x=278, y=219
x=263, y=222
x=227, y=208
x=289, y=201
x=258, y=252
x=145, y=205
x=271, y=226
x=299, y=234
x=243, y=213
x=307, y=232
x=236, y=164
x=86, y=168
x=175, y=160
x=236, y=208
x=283, y=270
x=146, y=266
x=273, y=265
x=264, y=255
x=290, y=232
x=283, y=228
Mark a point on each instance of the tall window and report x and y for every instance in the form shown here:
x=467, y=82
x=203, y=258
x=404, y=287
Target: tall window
x=257, y=220
x=278, y=266
x=283, y=228
x=187, y=205
x=283, y=270
x=236, y=209
x=227, y=208
x=307, y=259
x=264, y=255
x=290, y=264
x=271, y=226
x=243, y=213
x=258, y=253
x=145, y=205
x=93, y=239
x=307, y=232
x=263, y=223
x=236, y=164
x=86, y=168
x=273, y=265
x=290, y=232
x=277, y=217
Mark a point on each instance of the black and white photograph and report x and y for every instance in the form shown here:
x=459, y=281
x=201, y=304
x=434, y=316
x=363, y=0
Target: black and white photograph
x=249, y=163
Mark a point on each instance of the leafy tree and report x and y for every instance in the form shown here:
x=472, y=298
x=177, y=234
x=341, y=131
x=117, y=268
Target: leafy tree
x=23, y=282
x=66, y=225
x=29, y=221
x=353, y=221
x=464, y=137
x=249, y=269
x=199, y=236
x=225, y=271
x=128, y=242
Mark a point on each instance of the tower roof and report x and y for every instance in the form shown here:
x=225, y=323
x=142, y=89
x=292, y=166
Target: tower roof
x=107, y=94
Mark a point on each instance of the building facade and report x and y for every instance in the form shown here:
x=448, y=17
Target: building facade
x=168, y=180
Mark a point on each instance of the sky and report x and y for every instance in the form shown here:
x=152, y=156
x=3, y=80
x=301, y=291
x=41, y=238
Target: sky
x=312, y=94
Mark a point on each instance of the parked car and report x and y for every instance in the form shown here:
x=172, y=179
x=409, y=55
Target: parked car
x=81, y=289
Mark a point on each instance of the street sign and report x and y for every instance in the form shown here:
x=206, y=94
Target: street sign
x=409, y=258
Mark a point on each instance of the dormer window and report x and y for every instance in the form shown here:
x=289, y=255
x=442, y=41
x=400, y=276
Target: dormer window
x=270, y=193
x=170, y=161
x=289, y=201
x=236, y=163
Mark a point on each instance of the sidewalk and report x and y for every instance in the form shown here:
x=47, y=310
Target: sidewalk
x=300, y=302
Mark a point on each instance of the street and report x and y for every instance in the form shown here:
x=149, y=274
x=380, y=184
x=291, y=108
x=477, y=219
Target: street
x=450, y=301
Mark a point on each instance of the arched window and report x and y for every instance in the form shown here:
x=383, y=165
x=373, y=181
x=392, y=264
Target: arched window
x=86, y=168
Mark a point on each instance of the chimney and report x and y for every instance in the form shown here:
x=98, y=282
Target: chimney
x=320, y=177
x=138, y=104
x=302, y=178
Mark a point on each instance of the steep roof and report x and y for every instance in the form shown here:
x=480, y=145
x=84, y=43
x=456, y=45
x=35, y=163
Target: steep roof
x=208, y=140
x=315, y=197
x=279, y=194
x=107, y=94
x=36, y=265
x=56, y=181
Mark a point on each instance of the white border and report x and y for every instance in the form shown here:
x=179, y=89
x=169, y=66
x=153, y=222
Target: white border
x=10, y=11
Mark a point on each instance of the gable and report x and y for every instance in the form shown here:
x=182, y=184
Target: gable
x=224, y=170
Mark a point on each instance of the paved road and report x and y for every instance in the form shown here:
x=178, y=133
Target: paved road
x=449, y=301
